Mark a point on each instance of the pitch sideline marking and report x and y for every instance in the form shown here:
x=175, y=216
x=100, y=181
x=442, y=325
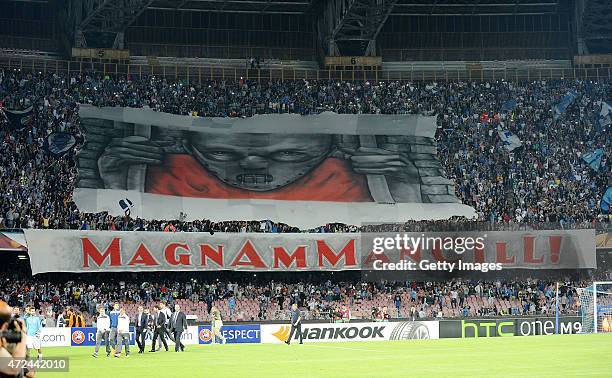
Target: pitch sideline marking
x=347, y=348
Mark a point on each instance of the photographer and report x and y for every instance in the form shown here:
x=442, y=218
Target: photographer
x=12, y=342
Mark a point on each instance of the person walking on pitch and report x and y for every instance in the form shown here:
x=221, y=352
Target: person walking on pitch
x=167, y=313
x=216, y=325
x=34, y=324
x=160, y=329
x=296, y=324
x=102, y=332
x=114, y=318
x=123, y=333
x=142, y=322
x=178, y=325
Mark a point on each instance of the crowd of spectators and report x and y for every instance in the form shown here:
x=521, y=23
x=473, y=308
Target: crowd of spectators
x=320, y=297
x=544, y=181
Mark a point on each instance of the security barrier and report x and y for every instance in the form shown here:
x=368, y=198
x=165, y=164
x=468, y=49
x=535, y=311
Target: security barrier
x=198, y=74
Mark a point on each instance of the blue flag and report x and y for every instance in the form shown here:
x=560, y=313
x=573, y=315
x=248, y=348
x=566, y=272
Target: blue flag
x=509, y=140
x=593, y=159
x=565, y=102
x=606, y=200
x=605, y=114
x=57, y=143
x=508, y=106
x=18, y=119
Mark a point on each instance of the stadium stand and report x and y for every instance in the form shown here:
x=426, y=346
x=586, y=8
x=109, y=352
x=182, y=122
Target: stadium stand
x=499, y=185
x=547, y=184
x=254, y=299
x=36, y=190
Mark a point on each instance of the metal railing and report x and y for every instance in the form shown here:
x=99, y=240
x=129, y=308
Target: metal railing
x=226, y=52
x=198, y=74
x=475, y=54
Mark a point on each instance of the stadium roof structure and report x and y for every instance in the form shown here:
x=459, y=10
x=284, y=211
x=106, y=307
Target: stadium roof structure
x=476, y=7
x=339, y=21
x=237, y=6
x=400, y=7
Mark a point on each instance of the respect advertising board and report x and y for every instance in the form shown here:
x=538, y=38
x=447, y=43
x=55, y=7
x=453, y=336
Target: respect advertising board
x=233, y=334
x=86, y=336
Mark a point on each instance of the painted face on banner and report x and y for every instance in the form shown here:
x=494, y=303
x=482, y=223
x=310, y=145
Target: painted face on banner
x=259, y=162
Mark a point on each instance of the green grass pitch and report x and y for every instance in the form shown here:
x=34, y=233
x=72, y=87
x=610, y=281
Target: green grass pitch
x=532, y=356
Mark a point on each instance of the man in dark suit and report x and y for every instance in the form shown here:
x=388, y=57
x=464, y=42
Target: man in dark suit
x=160, y=329
x=142, y=322
x=296, y=324
x=178, y=324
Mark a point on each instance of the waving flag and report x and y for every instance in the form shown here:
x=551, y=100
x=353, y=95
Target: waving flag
x=126, y=205
x=606, y=201
x=508, y=106
x=565, y=102
x=605, y=114
x=593, y=159
x=57, y=144
x=18, y=119
x=510, y=140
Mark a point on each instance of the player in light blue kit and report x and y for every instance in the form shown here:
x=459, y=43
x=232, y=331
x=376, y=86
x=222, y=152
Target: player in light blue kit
x=34, y=324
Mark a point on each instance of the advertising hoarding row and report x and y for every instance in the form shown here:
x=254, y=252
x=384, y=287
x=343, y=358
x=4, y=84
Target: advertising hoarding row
x=341, y=332
x=234, y=334
x=265, y=333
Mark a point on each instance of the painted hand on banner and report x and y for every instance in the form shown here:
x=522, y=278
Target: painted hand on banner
x=400, y=171
x=121, y=153
x=378, y=161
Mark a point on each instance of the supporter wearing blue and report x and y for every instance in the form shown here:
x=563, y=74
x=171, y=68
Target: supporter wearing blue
x=34, y=324
x=114, y=321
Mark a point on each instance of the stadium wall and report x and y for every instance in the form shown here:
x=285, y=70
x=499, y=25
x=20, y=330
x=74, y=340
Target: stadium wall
x=277, y=333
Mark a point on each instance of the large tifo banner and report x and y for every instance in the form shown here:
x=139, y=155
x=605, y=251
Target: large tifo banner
x=106, y=251
x=305, y=171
